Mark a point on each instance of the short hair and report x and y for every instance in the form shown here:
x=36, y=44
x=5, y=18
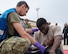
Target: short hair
x=40, y=22
x=22, y=2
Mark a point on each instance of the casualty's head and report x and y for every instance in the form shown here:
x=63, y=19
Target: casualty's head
x=42, y=25
x=22, y=8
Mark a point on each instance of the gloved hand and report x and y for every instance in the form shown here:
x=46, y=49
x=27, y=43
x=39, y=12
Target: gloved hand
x=40, y=47
x=35, y=29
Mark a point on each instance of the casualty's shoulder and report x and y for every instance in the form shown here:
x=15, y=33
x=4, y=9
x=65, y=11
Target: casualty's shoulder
x=37, y=32
x=55, y=27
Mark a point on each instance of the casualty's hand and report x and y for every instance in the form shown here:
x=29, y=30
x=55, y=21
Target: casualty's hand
x=48, y=43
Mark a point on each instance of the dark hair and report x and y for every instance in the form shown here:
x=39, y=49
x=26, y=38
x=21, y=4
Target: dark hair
x=22, y=2
x=40, y=22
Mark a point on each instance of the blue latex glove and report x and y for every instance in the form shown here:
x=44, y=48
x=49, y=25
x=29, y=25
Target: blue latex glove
x=35, y=29
x=40, y=47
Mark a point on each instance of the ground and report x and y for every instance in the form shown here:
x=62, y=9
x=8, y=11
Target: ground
x=65, y=48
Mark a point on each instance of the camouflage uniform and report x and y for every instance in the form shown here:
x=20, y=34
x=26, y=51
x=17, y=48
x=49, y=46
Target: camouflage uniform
x=15, y=45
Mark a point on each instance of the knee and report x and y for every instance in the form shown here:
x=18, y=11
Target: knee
x=22, y=45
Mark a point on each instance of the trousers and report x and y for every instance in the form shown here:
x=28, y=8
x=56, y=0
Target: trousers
x=15, y=45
